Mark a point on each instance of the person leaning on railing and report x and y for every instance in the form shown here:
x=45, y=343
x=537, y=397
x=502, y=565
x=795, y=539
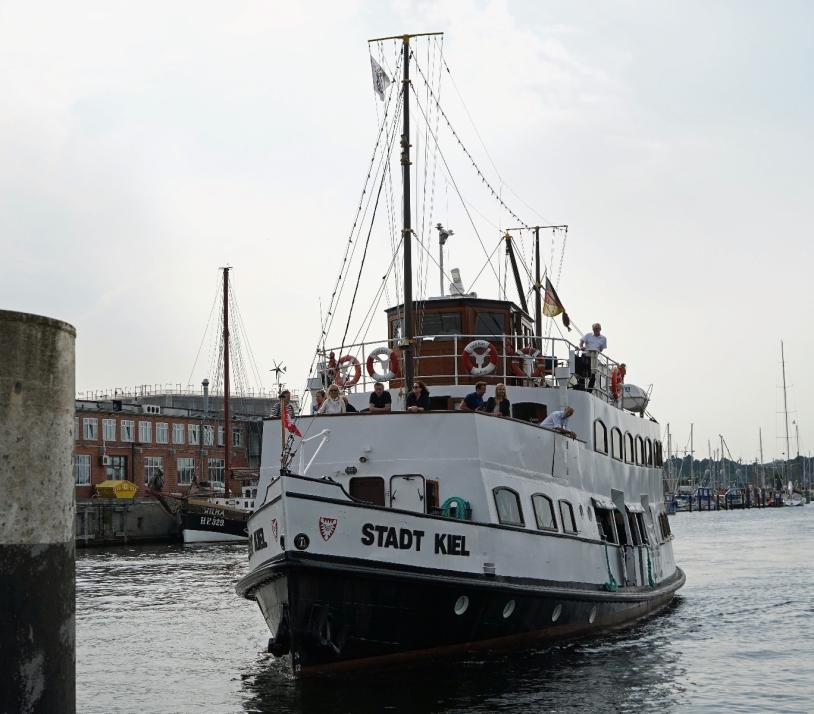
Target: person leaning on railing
x=473, y=402
x=334, y=404
x=558, y=421
x=418, y=400
x=380, y=401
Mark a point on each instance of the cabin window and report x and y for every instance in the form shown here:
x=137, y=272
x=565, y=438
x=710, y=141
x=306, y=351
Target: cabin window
x=642, y=527
x=616, y=444
x=368, y=488
x=544, y=512
x=664, y=522
x=490, y=323
x=569, y=525
x=629, y=457
x=621, y=533
x=441, y=323
x=604, y=523
x=639, y=451
x=634, y=528
x=600, y=437
x=648, y=452
x=529, y=411
x=395, y=330
x=509, y=511
x=657, y=457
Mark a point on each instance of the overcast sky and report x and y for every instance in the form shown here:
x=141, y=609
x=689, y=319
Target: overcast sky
x=143, y=145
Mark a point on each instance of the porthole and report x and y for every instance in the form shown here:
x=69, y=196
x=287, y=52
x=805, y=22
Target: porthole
x=461, y=604
x=508, y=609
x=592, y=615
x=556, y=614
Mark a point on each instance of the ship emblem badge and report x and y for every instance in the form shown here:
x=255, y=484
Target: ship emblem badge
x=274, y=528
x=327, y=527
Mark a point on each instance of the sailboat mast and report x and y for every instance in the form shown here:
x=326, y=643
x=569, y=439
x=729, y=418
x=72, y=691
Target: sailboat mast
x=762, y=468
x=226, y=422
x=407, y=230
x=538, y=308
x=785, y=404
x=692, y=458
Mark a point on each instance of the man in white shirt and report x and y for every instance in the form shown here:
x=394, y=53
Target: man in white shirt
x=591, y=345
x=558, y=421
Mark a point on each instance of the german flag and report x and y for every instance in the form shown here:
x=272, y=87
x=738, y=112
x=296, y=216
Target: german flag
x=552, y=305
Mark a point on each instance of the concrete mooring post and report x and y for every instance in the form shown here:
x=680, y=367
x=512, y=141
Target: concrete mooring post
x=37, y=566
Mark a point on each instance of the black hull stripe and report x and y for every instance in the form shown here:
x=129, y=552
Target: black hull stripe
x=285, y=562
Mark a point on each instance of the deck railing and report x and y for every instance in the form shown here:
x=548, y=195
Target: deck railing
x=511, y=359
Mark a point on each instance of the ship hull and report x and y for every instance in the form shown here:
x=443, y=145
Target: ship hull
x=337, y=613
x=207, y=523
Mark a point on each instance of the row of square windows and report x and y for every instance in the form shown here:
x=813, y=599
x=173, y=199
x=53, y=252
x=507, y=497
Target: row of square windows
x=116, y=470
x=127, y=429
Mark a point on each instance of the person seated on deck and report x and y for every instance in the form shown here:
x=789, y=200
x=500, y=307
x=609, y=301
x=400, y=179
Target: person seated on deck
x=319, y=397
x=334, y=404
x=380, y=400
x=418, y=400
x=349, y=408
x=591, y=345
x=473, y=401
x=557, y=421
x=499, y=404
x=284, y=402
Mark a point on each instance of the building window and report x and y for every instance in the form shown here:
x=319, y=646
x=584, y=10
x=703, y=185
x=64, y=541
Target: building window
x=217, y=468
x=108, y=430
x=81, y=469
x=629, y=457
x=153, y=465
x=208, y=435
x=186, y=471
x=441, y=323
x=237, y=438
x=145, y=432
x=127, y=428
x=569, y=525
x=193, y=434
x=509, y=511
x=600, y=437
x=91, y=426
x=544, y=512
x=177, y=433
x=616, y=444
x=162, y=433
x=490, y=323
x=639, y=451
x=116, y=469
x=76, y=428
x=220, y=436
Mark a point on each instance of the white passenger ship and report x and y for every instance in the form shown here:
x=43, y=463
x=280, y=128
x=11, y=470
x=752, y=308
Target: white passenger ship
x=380, y=537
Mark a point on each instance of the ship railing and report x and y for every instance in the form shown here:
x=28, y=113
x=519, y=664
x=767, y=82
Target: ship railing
x=515, y=360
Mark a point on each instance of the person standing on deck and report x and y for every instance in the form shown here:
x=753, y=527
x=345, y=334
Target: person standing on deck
x=283, y=403
x=591, y=345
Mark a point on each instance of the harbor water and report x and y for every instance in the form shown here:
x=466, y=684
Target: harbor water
x=159, y=629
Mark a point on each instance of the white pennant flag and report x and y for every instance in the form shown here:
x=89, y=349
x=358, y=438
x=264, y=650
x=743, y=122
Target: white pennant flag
x=380, y=79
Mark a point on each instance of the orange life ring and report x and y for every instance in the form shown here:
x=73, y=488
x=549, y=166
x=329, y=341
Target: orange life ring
x=471, y=350
x=357, y=371
x=393, y=364
x=617, y=380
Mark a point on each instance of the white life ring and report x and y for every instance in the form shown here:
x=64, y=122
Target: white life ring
x=392, y=361
x=471, y=353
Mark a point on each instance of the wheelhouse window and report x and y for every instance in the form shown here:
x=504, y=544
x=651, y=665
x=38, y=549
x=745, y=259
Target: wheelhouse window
x=509, y=511
x=544, y=512
x=569, y=525
x=629, y=455
x=617, y=451
x=600, y=437
x=648, y=452
x=490, y=323
x=441, y=323
x=395, y=330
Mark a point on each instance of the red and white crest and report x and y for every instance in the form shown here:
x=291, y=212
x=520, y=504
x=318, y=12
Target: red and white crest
x=327, y=527
x=274, y=528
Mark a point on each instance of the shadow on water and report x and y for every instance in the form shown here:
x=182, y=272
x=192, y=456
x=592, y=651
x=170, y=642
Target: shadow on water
x=636, y=668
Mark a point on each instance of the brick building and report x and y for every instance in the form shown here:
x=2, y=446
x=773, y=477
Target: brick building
x=115, y=440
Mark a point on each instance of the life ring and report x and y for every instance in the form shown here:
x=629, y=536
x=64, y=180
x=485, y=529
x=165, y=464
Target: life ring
x=617, y=380
x=520, y=360
x=470, y=352
x=357, y=371
x=393, y=363
x=515, y=362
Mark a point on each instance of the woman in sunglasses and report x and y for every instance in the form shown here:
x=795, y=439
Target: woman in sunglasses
x=333, y=404
x=418, y=400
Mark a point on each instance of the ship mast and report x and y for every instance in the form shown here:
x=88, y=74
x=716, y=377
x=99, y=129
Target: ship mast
x=785, y=408
x=226, y=423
